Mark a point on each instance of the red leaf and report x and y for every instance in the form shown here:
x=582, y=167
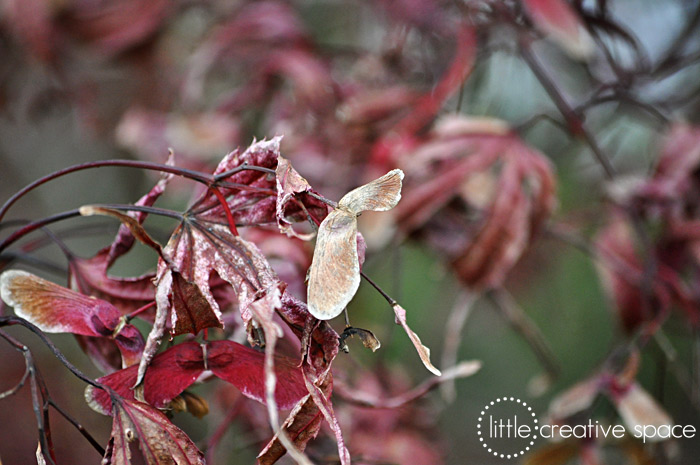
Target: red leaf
x=118, y=25
x=560, y=22
x=474, y=177
x=90, y=276
x=178, y=367
x=160, y=441
x=56, y=309
x=170, y=373
x=244, y=368
x=205, y=242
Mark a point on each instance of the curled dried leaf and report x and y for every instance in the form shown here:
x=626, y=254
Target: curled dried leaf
x=161, y=442
x=423, y=351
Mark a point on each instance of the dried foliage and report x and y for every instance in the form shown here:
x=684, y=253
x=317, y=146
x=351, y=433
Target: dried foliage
x=232, y=321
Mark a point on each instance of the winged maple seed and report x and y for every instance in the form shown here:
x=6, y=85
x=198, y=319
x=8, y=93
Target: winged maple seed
x=334, y=275
x=55, y=309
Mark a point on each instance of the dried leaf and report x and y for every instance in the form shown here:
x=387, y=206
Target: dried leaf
x=302, y=424
x=334, y=276
x=131, y=223
x=321, y=351
x=289, y=184
x=124, y=240
x=577, y=398
x=56, y=309
x=161, y=442
x=369, y=340
x=638, y=408
x=183, y=294
x=423, y=351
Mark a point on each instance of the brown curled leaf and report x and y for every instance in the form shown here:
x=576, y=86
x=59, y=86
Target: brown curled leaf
x=132, y=223
x=423, y=351
x=289, y=184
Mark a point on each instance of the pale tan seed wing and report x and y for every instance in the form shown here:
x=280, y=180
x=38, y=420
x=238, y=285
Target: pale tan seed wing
x=379, y=195
x=334, y=275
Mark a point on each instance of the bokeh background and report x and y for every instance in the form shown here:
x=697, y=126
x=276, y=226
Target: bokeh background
x=83, y=80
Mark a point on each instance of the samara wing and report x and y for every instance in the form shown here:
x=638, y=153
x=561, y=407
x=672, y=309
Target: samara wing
x=334, y=275
x=379, y=195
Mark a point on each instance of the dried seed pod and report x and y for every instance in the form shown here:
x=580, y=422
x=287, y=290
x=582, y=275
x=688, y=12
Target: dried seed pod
x=334, y=275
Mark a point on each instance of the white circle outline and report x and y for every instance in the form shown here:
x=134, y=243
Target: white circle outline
x=483, y=413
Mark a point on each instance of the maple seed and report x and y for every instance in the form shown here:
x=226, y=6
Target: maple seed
x=334, y=275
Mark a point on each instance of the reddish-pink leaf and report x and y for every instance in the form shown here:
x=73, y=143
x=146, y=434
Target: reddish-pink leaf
x=161, y=442
x=56, y=309
x=560, y=22
x=116, y=26
x=207, y=242
x=244, y=368
x=90, y=277
x=176, y=368
x=505, y=191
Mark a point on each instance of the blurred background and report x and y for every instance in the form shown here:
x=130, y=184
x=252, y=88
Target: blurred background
x=600, y=96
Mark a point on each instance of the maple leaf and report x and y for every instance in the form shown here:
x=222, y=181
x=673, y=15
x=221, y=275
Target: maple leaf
x=207, y=242
x=177, y=368
x=504, y=191
x=321, y=349
x=90, y=276
x=161, y=442
x=561, y=23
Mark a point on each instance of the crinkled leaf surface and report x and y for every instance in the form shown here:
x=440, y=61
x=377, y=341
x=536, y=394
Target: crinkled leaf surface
x=161, y=442
x=205, y=243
